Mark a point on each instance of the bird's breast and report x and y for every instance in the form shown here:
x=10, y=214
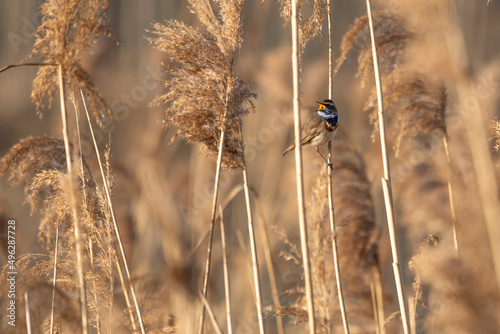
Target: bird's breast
x=330, y=127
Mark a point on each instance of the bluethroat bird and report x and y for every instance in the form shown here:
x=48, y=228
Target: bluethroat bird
x=319, y=128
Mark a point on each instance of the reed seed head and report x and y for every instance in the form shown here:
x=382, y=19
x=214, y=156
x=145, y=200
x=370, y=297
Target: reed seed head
x=68, y=29
x=205, y=95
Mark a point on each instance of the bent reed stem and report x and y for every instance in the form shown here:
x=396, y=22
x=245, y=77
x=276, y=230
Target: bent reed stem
x=115, y=223
x=253, y=247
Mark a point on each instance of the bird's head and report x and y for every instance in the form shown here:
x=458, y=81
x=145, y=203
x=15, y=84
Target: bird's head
x=327, y=109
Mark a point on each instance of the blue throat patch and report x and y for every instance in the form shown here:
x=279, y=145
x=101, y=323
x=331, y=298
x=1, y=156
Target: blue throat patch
x=331, y=119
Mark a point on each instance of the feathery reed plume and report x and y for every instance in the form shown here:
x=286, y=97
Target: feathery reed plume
x=414, y=102
x=31, y=156
x=308, y=28
x=418, y=300
x=357, y=236
x=391, y=37
x=455, y=287
x=68, y=29
x=495, y=129
x=357, y=240
x=421, y=105
x=437, y=26
x=205, y=95
x=207, y=100
x=39, y=164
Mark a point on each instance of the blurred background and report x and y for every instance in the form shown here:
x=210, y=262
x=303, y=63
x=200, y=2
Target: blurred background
x=163, y=188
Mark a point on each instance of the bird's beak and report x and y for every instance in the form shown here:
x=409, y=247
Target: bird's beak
x=321, y=106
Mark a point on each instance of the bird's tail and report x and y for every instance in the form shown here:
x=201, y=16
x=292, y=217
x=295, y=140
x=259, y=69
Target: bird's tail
x=291, y=147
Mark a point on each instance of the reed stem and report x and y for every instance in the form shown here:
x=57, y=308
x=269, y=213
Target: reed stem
x=211, y=314
x=27, y=311
x=269, y=260
x=330, y=179
x=450, y=194
x=211, y=231
x=115, y=223
x=253, y=249
x=336, y=263
x=76, y=224
x=227, y=289
x=53, y=304
x=386, y=180
x=299, y=176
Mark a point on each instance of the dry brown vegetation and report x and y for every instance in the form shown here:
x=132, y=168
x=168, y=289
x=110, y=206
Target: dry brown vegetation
x=116, y=241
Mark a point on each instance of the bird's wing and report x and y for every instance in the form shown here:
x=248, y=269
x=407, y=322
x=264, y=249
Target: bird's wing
x=311, y=128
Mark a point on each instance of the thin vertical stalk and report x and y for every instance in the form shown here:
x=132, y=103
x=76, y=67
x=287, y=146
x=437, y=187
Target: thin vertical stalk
x=227, y=290
x=375, y=307
x=336, y=263
x=76, y=224
x=386, y=180
x=269, y=260
x=29, y=322
x=253, y=249
x=212, y=225
x=299, y=175
x=125, y=294
x=395, y=262
x=330, y=49
x=412, y=305
x=113, y=218
x=450, y=194
x=340, y=292
x=379, y=297
x=53, y=305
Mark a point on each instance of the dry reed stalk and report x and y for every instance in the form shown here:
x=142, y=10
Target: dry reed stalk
x=375, y=308
x=76, y=221
x=386, y=180
x=379, y=299
x=27, y=311
x=207, y=86
x=125, y=294
x=210, y=314
x=211, y=230
x=450, y=194
x=227, y=290
x=253, y=249
x=113, y=217
x=269, y=260
x=53, y=303
x=26, y=64
x=336, y=263
x=340, y=293
x=299, y=175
